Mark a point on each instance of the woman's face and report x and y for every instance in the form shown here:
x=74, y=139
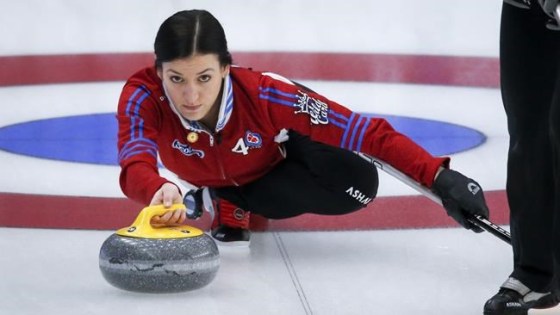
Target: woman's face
x=194, y=86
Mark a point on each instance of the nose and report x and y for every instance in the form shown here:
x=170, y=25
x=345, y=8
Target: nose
x=190, y=94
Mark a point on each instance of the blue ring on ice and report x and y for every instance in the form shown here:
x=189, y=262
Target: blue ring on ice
x=92, y=138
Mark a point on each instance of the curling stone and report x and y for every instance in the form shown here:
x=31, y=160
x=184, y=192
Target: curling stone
x=142, y=258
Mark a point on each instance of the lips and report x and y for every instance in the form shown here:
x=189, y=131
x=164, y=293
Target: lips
x=191, y=108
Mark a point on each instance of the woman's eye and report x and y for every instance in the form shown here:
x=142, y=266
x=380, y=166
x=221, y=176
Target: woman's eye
x=204, y=78
x=176, y=79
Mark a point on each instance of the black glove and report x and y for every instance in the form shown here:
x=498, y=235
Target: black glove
x=198, y=201
x=461, y=196
x=550, y=7
x=522, y=4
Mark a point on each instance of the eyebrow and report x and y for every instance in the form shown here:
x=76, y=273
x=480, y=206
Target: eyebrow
x=201, y=72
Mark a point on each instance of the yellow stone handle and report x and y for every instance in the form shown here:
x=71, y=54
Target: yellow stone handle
x=142, y=228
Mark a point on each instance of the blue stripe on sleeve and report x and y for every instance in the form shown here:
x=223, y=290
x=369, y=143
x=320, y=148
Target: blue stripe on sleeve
x=337, y=124
x=278, y=92
x=361, y=139
x=355, y=129
x=136, y=103
x=267, y=94
x=149, y=151
x=337, y=115
x=136, y=114
x=128, y=106
x=345, y=135
x=276, y=100
x=333, y=116
x=135, y=145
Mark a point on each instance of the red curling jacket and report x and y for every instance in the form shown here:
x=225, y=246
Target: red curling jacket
x=255, y=108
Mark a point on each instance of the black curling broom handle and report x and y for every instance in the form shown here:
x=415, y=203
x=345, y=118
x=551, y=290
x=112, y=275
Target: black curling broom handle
x=476, y=219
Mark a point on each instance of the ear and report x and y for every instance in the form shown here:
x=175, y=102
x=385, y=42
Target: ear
x=159, y=73
x=225, y=71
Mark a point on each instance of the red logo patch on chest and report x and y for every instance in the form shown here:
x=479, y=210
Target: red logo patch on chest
x=253, y=139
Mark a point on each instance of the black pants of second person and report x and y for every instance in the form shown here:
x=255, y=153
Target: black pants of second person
x=530, y=82
x=314, y=178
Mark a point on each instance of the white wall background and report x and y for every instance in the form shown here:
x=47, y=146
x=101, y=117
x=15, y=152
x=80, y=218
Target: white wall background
x=448, y=27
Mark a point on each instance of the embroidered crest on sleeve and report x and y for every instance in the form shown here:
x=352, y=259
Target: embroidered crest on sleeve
x=316, y=109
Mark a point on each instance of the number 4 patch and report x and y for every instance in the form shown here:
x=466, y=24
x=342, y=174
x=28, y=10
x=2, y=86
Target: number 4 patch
x=251, y=140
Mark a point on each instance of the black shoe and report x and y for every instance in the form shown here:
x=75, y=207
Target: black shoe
x=230, y=236
x=547, y=301
x=506, y=302
x=511, y=302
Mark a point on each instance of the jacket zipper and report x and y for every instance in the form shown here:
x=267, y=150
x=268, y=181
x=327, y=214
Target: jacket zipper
x=214, y=145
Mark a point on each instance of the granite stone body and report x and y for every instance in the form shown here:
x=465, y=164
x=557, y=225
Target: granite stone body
x=159, y=265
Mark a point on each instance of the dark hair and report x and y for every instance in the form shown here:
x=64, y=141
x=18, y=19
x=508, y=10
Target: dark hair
x=191, y=32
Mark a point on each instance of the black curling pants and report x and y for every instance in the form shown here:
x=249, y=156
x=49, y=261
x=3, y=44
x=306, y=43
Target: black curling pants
x=314, y=178
x=530, y=82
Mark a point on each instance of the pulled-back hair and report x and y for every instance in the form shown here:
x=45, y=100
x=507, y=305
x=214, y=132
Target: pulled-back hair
x=191, y=32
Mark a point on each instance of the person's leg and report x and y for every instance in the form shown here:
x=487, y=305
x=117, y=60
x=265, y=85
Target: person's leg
x=314, y=178
x=528, y=60
x=527, y=82
x=555, y=138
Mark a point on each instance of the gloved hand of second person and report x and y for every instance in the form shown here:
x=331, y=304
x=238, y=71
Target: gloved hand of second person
x=461, y=196
x=552, y=9
x=549, y=6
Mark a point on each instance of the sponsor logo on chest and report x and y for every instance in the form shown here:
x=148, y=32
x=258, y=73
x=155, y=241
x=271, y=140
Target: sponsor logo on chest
x=187, y=149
